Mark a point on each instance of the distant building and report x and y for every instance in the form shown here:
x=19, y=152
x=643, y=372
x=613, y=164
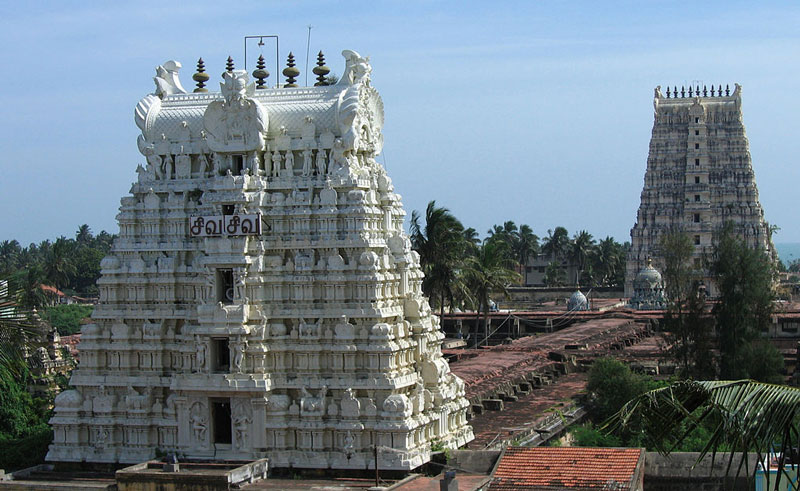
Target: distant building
x=699, y=176
x=536, y=270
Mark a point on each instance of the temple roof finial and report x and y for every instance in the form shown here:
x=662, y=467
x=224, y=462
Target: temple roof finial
x=260, y=73
x=229, y=65
x=201, y=77
x=290, y=72
x=321, y=71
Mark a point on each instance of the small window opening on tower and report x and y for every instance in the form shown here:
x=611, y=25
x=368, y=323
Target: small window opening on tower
x=696, y=240
x=238, y=164
x=225, y=286
x=697, y=263
x=696, y=198
x=221, y=418
x=697, y=179
x=696, y=132
x=696, y=145
x=222, y=355
x=228, y=209
x=696, y=161
x=696, y=218
x=696, y=120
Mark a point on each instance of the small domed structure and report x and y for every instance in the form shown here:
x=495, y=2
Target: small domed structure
x=648, y=289
x=577, y=302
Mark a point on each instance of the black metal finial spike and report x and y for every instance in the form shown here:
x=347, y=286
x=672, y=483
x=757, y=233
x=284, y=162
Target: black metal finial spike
x=712, y=90
x=719, y=91
x=260, y=73
x=683, y=91
x=667, y=91
x=321, y=71
x=290, y=72
x=229, y=64
x=727, y=90
x=690, y=91
x=201, y=77
x=705, y=91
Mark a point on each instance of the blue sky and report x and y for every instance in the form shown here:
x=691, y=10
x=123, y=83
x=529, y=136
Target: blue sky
x=538, y=112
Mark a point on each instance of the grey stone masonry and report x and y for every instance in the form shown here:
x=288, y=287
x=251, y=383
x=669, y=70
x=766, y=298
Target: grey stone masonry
x=699, y=176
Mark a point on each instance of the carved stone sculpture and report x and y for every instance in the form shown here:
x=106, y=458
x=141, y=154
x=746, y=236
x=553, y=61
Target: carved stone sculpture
x=291, y=338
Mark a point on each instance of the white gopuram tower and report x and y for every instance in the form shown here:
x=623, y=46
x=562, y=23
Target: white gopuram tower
x=262, y=299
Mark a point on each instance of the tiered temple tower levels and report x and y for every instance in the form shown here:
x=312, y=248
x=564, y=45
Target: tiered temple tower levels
x=262, y=298
x=699, y=176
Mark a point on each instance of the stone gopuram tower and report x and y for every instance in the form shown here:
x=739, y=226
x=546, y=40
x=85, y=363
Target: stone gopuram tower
x=699, y=176
x=262, y=299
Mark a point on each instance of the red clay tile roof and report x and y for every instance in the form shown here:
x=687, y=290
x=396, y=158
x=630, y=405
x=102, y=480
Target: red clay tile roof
x=565, y=468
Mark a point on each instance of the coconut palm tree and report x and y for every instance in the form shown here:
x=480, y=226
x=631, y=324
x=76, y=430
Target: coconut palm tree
x=579, y=250
x=606, y=260
x=16, y=328
x=58, y=266
x=84, y=234
x=489, y=271
x=556, y=243
x=441, y=247
x=526, y=245
x=745, y=416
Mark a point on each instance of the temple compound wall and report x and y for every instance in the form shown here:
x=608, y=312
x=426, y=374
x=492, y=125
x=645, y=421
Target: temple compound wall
x=699, y=176
x=262, y=299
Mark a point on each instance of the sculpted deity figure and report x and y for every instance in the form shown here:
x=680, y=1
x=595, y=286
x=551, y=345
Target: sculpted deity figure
x=276, y=163
x=321, y=161
x=288, y=166
x=351, y=407
x=241, y=424
x=154, y=165
x=199, y=426
x=254, y=164
x=200, y=354
x=238, y=357
x=167, y=166
x=240, y=282
x=307, y=162
x=238, y=122
x=216, y=163
x=202, y=164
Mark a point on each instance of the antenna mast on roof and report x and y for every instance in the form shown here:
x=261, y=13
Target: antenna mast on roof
x=308, y=46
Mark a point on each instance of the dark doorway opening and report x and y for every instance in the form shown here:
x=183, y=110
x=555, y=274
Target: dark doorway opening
x=222, y=355
x=221, y=416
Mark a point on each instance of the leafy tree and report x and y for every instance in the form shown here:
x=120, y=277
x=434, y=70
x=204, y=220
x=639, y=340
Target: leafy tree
x=588, y=435
x=610, y=385
x=744, y=277
x=579, y=250
x=556, y=243
x=526, y=245
x=441, y=247
x=84, y=235
x=607, y=261
x=67, y=318
x=489, y=271
x=554, y=274
x=742, y=416
x=688, y=326
x=58, y=266
x=16, y=328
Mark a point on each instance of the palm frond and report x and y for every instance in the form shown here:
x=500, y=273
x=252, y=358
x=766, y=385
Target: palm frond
x=746, y=416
